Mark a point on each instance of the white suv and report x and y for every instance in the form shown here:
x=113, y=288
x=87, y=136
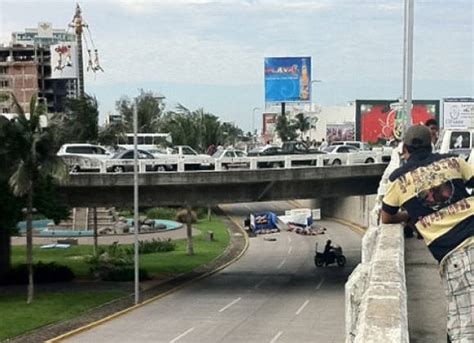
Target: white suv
x=83, y=156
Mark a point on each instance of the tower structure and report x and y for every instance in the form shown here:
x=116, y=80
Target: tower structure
x=78, y=26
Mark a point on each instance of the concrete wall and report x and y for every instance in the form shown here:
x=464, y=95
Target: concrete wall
x=355, y=209
x=376, y=299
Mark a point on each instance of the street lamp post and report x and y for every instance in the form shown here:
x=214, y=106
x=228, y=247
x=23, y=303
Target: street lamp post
x=253, y=119
x=136, y=224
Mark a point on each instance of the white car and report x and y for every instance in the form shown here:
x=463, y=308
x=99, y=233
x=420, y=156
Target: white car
x=340, y=154
x=83, y=156
x=362, y=146
x=231, y=158
x=191, y=158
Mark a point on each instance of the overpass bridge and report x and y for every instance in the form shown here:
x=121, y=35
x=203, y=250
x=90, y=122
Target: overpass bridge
x=203, y=188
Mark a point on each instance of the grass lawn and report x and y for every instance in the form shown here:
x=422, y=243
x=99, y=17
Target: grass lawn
x=16, y=317
x=164, y=263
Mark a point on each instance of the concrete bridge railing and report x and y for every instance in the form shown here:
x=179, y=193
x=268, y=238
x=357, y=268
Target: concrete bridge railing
x=376, y=298
x=376, y=295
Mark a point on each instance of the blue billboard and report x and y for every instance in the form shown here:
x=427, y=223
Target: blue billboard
x=287, y=79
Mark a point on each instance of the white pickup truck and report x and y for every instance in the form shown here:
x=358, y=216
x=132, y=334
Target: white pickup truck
x=190, y=159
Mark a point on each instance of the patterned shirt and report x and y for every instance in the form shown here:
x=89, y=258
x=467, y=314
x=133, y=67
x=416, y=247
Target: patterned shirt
x=432, y=189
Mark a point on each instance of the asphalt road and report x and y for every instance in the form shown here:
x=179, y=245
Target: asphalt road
x=274, y=293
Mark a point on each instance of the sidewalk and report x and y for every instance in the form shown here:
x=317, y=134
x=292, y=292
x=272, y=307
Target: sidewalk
x=426, y=300
x=177, y=233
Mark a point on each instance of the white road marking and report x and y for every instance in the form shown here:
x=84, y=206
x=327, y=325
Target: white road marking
x=274, y=339
x=181, y=336
x=260, y=282
x=302, y=307
x=229, y=305
x=320, y=283
x=281, y=264
x=289, y=250
x=289, y=238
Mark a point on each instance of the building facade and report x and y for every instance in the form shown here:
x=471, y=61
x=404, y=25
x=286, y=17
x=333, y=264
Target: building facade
x=25, y=69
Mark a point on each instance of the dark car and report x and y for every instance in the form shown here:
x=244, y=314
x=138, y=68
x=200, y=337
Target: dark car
x=127, y=162
x=267, y=150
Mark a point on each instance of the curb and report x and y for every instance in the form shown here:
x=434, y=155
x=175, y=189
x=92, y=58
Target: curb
x=354, y=227
x=159, y=296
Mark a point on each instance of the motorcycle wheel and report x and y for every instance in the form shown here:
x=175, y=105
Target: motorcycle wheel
x=318, y=261
x=341, y=261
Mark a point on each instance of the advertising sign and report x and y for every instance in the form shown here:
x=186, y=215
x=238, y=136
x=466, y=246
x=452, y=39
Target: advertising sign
x=375, y=119
x=458, y=113
x=340, y=132
x=269, y=125
x=64, y=63
x=288, y=79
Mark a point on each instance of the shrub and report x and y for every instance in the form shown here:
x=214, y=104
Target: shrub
x=201, y=212
x=161, y=213
x=155, y=245
x=182, y=216
x=123, y=274
x=110, y=259
x=42, y=273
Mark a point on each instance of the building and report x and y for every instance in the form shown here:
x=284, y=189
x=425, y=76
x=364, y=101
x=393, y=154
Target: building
x=26, y=69
x=44, y=35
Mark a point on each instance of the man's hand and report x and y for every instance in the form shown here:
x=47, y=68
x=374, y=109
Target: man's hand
x=399, y=217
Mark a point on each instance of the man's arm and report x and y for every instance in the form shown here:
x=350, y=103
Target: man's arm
x=400, y=216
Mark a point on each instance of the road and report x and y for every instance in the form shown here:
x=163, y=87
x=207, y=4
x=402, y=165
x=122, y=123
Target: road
x=274, y=293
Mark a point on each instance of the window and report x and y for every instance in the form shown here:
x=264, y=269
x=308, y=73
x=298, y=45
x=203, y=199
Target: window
x=188, y=151
x=229, y=154
x=239, y=153
x=128, y=155
x=4, y=83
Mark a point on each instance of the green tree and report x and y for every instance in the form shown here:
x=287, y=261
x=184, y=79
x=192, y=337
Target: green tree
x=35, y=163
x=149, y=111
x=285, y=129
x=10, y=206
x=185, y=126
x=79, y=123
x=302, y=124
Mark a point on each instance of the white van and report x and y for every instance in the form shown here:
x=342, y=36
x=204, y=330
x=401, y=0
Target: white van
x=456, y=141
x=83, y=156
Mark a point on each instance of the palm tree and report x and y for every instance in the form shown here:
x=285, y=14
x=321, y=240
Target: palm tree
x=302, y=124
x=36, y=160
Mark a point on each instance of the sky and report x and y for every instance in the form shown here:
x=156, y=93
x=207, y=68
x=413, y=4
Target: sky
x=210, y=54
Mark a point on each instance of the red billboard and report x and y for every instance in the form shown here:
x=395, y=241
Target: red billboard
x=269, y=126
x=375, y=118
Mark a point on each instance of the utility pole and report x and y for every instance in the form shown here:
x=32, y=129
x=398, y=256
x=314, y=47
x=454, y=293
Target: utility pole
x=408, y=63
x=78, y=28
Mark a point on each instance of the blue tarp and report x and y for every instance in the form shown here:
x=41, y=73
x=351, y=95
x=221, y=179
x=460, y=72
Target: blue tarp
x=263, y=220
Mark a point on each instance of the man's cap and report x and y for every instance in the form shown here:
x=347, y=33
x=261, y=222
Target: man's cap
x=417, y=136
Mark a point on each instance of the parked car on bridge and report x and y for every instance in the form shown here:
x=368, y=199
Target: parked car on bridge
x=362, y=146
x=267, y=150
x=83, y=156
x=288, y=148
x=232, y=158
x=123, y=161
x=340, y=154
x=191, y=158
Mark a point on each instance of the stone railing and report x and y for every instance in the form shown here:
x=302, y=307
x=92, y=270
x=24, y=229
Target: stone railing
x=376, y=298
x=376, y=306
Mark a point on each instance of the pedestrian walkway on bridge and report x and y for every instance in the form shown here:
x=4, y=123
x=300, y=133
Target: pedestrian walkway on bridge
x=426, y=300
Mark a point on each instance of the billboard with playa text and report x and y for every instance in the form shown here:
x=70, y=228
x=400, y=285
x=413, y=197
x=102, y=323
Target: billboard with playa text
x=287, y=79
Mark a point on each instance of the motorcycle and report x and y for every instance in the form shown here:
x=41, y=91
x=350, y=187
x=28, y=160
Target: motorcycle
x=332, y=254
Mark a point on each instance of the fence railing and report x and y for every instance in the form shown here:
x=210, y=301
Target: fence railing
x=180, y=164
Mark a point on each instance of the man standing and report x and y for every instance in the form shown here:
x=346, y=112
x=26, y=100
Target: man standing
x=432, y=124
x=323, y=145
x=431, y=189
